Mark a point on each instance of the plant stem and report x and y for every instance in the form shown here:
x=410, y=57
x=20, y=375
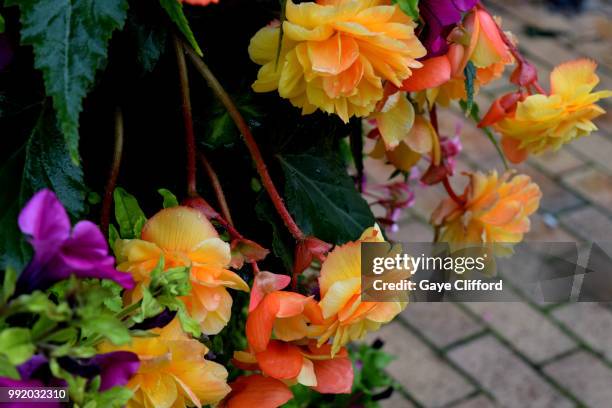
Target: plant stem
x=266, y=180
x=187, y=117
x=214, y=180
x=451, y=192
x=114, y=173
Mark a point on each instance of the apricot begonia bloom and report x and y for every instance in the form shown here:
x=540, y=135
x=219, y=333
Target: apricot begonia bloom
x=200, y=2
x=173, y=371
x=336, y=54
x=494, y=210
x=347, y=317
x=543, y=122
x=184, y=237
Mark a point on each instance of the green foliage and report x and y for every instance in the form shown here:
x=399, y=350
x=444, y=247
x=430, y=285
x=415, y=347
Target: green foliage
x=70, y=44
x=280, y=237
x=169, y=198
x=470, y=76
x=175, y=11
x=16, y=345
x=128, y=214
x=409, y=7
x=150, y=40
x=221, y=131
x=8, y=284
x=323, y=198
x=2, y=24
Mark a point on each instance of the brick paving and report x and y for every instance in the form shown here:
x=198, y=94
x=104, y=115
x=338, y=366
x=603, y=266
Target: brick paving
x=531, y=354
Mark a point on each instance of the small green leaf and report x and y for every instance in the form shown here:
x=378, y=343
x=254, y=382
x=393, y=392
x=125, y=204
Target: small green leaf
x=7, y=369
x=187, y=322
x=323, y=199
x=107, y=326
x=16, y=345
x=470, y=75
x=409, y=7
x=149, y=38
x=149, y=307
x=113, y=236
x=169, y=198
x=8, y=285
x=2, y=27
x=175, y=11
x=70, y=41
x=128, y=214
x=114, y=302
x=115, y=397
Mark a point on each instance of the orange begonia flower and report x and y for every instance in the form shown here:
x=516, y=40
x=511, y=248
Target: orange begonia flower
x=184, y=237
x=173, y=371
x=257, y=391
x=495, y=210
x=335, y=55
x=200, y=2
x=346, y=317
x=545, y=122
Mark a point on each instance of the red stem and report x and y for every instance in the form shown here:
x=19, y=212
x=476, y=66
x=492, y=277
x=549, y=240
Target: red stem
x=214, y=180
x=187, y=118
x=451, y=192
x=114, y=173
x=266, y=180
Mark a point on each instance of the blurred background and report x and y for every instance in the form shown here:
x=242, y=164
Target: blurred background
x=478, y=355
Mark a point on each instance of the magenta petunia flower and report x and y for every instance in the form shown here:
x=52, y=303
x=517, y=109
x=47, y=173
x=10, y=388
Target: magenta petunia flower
x=440, y=17
x=60, y=251
x=115, y=368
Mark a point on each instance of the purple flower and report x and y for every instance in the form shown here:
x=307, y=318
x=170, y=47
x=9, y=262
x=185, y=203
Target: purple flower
x=115, y=369
x=60, y=251
x=32, y=373
x=440, y=17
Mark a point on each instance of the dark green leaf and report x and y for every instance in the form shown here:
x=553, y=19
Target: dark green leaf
x=175, y=11
x=409, y=7
x=470, y=75
x=149, y=40
x=169, y=198
x=11, y=239
x=1, y=24
x=48, y=165
x=128, y=214
x=322, y=198
x=221, y=130
x=280, y=237
x=70, y=41
x=113, y=236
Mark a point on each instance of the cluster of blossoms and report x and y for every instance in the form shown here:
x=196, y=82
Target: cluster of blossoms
x=361, y=60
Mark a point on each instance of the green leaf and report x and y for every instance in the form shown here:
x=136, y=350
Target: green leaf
x=114, y=303
x=8, y=284
x=221, y=131
x=280, y=237
x=128, y=214
x=470, y=75
x=70, y=39
x=149, y=38
x=175, y=11
x=16, y=345
x=7, y=369
x=107, y=326
x=323, y=199
x=409, y=7
x=48, y=165
x=149, y=307
x=39, y=303
x=188, y=324
x=115, y=397
x=169, y=198
x=113, y=236
x=2, y=27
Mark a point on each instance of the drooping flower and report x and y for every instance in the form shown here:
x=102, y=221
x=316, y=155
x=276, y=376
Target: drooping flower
x=184, y=237
x=546, y=122
x=173, y=371
x=494, y=210
x=336, y=54
x=255, y=390
x=59, y=251
x=440, y=17
x=347, y=317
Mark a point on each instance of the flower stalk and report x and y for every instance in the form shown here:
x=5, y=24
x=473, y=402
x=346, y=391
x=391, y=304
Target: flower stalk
x=114, y=172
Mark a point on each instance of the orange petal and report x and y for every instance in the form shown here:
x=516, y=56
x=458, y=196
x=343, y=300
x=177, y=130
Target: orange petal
x=264, y=283
x=260, y=322
x=280, y=360
x=334, y=376
x=333, y=55
x=434, y=72
x=512, y=150
x=258, y=391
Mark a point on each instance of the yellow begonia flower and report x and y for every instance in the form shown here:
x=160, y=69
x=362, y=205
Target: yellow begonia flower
x=543, y=122
x=335, y=55
x=173, y=371
x=495, y=210
x=347, y=317
x=184, y=237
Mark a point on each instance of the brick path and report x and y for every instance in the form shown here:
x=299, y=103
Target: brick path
x=478, y=355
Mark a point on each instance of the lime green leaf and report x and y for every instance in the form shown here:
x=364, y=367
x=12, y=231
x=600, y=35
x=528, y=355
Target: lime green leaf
x=48, y=165
x=107, y=326
x=470, y=75
x=115, y=397
x=70, y=41
x=16, y=345
x=188, y=324
x=7, y=369
x=128, y=214
x=323, y=199
x=113, y=236
x=175, y=11
x=409, y=7
x=149, y=307
x=1, y=24
x=8, y=285
x=169, y=198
